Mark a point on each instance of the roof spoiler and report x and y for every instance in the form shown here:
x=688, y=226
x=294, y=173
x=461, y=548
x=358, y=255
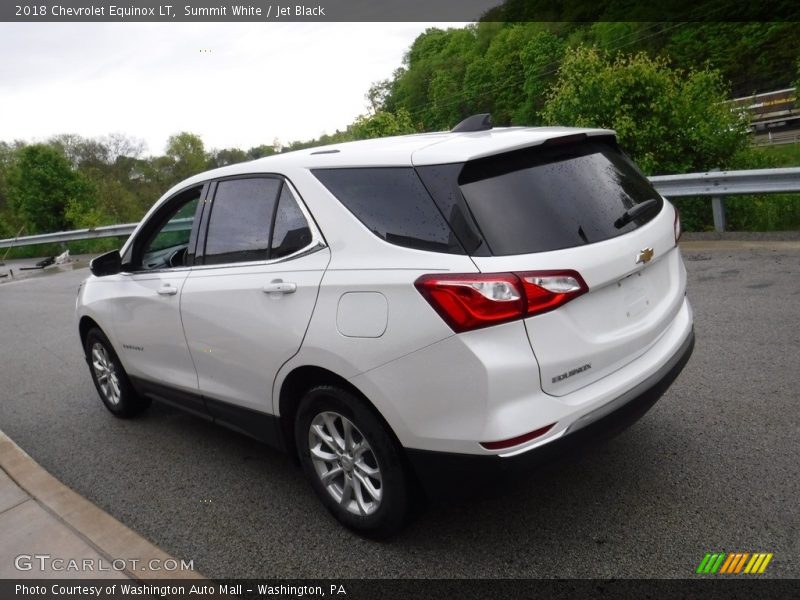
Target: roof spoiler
x=481, y=122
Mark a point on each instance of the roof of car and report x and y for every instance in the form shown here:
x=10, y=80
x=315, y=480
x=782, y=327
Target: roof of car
x=406, y=150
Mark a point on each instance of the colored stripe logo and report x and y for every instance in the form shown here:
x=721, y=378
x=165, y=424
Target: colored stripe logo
x=734, y=563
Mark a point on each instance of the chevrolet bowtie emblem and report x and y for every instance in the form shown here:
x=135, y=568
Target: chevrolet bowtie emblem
x=644, y=256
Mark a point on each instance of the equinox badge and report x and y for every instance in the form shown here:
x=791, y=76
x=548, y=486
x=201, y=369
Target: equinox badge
x=572, y=372
x=644, y=256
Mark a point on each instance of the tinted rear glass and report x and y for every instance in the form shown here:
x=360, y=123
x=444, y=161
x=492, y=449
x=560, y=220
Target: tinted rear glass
x=393, y=204
x=291, y=232
x=543, y=199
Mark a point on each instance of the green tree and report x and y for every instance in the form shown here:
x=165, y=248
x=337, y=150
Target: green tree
x=226, y=156
x=381, y=124
x=110, y=164
x=668, y=120
x=7, y=220
x=629, y=37
x=540, y=58
x=428, y=85
x=505, y=61
x=119, y=145
x=82, y=152
x=376, y=95
x=45, y=192
x=754, y=57
x=187, y=155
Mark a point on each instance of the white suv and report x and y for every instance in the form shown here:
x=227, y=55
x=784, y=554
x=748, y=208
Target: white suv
x=396, y=310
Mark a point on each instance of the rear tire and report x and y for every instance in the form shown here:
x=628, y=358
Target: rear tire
x=110, y=378
x=354, y=464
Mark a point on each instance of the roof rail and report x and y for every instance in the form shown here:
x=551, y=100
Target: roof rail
x=481, y=122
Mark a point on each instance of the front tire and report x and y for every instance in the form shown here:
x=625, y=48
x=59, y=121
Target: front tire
x=353, y=463
x=110, y=379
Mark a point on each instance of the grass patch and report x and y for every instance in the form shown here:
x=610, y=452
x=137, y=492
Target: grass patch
x=783, y=155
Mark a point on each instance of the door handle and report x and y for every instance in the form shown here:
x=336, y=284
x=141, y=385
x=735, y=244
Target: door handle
x=167, y=290
x=279, y=286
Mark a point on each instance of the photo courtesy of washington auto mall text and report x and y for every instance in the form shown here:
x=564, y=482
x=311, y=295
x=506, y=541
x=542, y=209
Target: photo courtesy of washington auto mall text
x=175, y=590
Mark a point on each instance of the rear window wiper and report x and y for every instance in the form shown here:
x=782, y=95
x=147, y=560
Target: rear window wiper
x=636, y=211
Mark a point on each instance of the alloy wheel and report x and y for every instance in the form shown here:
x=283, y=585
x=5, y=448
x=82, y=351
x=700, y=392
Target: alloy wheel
x=106, y=373
x=345, y=463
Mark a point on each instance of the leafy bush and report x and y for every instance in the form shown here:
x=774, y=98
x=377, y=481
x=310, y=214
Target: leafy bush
x=668, y=120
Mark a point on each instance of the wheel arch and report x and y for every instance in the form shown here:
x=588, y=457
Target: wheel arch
x=300, y=380
x=85, y=325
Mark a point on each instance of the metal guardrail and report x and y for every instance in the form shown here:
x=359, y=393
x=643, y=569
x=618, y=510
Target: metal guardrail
x=87, y=234
x=716, y=184
x=719, y=184
x=777, y=138
x=728, y=183
x=70, y=236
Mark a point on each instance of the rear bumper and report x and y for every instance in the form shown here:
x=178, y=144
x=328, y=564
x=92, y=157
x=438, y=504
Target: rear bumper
x=442, y=472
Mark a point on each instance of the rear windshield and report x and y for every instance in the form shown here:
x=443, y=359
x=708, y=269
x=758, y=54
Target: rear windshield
x=542, y=198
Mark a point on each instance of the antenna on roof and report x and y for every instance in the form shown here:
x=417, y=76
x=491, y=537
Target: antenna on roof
x=481, y=122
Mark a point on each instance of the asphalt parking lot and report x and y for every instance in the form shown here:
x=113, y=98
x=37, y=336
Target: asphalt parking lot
x=713, y=466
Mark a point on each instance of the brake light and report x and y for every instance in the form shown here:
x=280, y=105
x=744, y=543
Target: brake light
x=677, y=225
x=475, y=300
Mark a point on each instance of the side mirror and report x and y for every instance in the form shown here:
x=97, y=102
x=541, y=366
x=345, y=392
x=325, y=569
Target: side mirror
x=109, y=263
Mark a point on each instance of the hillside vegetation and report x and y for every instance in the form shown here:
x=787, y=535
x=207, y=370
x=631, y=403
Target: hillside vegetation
x=662, y=86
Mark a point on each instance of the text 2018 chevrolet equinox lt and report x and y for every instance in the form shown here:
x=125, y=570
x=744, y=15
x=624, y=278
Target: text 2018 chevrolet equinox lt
x=394, y=310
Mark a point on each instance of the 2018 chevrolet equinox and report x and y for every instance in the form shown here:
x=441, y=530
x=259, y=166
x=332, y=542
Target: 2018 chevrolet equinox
x=392, y=308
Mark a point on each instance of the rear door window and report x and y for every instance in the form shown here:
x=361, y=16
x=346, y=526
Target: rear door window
x=254, y=219
x=542, y=199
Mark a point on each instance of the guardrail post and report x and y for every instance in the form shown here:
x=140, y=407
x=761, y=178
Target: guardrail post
x=718, y=210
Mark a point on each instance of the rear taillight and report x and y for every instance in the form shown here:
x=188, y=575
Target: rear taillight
x=471, y=301
x=475, y=300
x=677, y=225
x=546, y=290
